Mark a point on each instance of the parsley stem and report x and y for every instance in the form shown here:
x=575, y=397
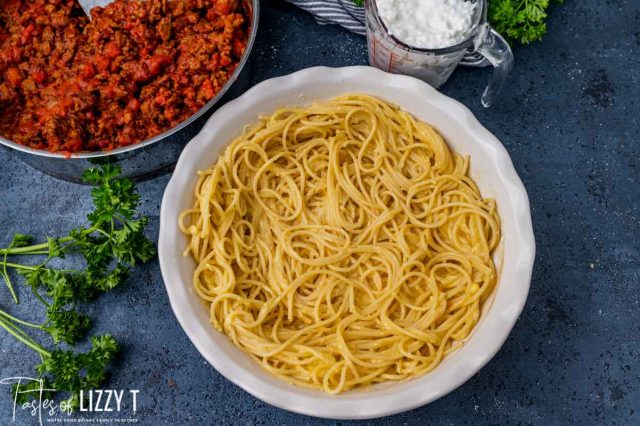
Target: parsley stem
x=19, y=266
x=33, y=268
x=44, y=247
x=105, y=233
x=34, y=253
x=40, y=298
x=23, y=337
x=7, y=280
x=19, y=321
x=31, y=249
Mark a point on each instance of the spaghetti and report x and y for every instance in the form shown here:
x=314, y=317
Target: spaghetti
x=342, y=244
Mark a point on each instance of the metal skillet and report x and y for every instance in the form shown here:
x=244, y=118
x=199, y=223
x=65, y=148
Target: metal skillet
x=153, y=156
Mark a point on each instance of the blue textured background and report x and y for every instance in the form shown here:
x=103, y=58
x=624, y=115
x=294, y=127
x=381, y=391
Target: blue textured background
x=569, y=119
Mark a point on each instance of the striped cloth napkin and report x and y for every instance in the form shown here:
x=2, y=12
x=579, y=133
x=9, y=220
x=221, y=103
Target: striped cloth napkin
x=346, y=14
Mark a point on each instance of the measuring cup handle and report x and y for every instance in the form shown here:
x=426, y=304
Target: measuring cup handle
x=492, y=46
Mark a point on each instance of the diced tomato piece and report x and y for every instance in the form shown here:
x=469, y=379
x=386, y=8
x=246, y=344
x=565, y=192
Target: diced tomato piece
x=124, y=140
x=189, y=93
x=112, y=50
x=206, y=90
x=238, y=48
x=156, y=62
x=223, y=7
x=191, y=17
x=88, y=71
x=138, y=32
x=134, y=105
x=74, y=145
x=39, y=76
x=102, y=62
x=26, y=125
x=108, y=91
x=169, y=113
x=16, y=54
x=14, y=76
x=27, y=32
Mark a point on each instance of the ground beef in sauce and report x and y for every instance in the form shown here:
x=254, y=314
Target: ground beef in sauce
x=137, y=69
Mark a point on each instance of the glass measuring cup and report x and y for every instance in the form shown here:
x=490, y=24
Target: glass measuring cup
x=436, y=65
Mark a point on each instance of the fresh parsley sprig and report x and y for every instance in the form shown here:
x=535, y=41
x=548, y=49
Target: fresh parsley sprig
x=521, y=20
x=111, y=244
x=64, y=370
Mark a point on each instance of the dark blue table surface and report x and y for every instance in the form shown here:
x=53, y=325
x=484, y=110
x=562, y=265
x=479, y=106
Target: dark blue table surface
x=570, y=120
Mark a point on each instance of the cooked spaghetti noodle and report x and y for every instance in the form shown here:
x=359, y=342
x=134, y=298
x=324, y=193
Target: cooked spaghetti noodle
x=342, y=244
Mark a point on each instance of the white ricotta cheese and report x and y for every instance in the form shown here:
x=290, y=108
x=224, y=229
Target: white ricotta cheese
x=430, y=24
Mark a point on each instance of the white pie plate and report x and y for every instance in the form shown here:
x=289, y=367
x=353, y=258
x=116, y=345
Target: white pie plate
x=492, y=170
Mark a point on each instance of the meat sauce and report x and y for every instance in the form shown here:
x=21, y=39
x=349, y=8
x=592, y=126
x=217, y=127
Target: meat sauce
x=136, y=69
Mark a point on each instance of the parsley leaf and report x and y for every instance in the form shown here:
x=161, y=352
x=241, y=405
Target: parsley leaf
x=67, y=326
x=21, y=240
x=520, y=20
